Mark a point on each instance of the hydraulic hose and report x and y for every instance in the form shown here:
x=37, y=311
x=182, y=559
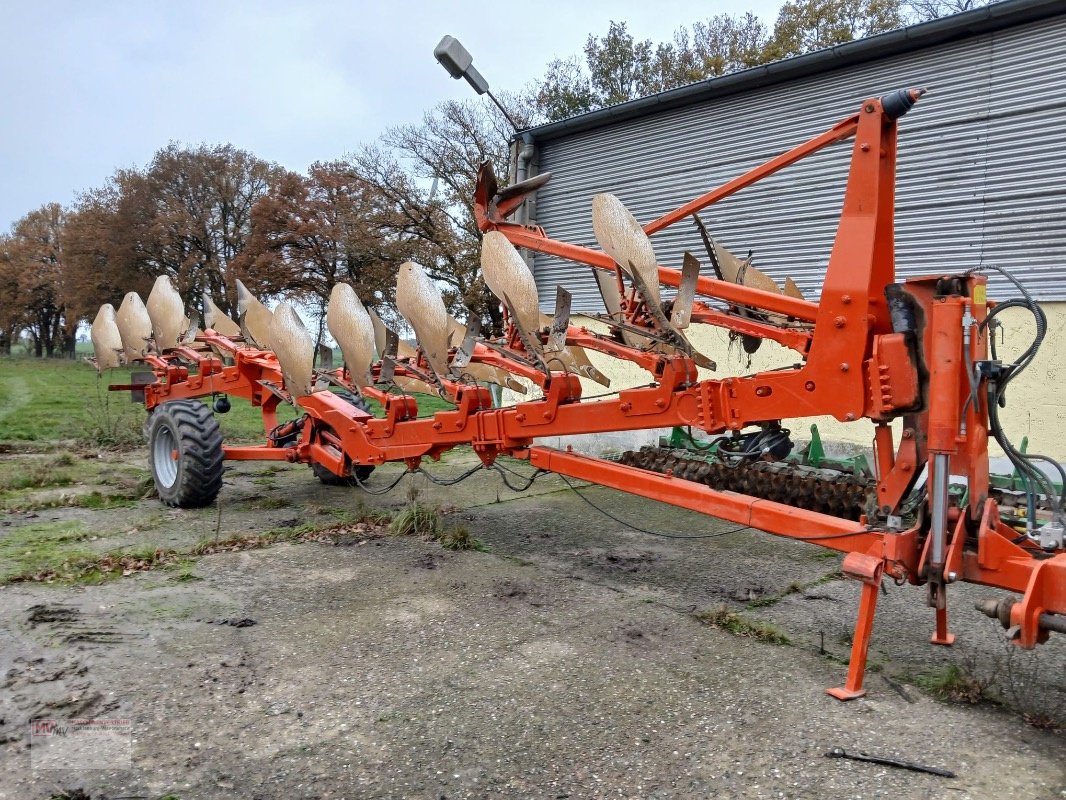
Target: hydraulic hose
x=1033, y=478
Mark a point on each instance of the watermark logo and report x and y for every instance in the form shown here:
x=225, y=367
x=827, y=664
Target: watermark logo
x=96, y=743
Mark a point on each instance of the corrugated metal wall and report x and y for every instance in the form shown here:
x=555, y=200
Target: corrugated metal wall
x=981, y=171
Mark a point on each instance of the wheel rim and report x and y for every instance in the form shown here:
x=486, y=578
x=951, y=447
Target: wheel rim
x=164, y=452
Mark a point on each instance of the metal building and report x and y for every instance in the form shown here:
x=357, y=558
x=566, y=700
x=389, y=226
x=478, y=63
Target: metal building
x=981, y=171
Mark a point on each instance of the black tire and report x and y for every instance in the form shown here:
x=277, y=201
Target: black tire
x=362, y=472
x=185, y=453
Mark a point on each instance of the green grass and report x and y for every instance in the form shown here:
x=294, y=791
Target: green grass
x=42, y=473
x=31, y=482
x=42, y=546
x=56, y=552
x=417, y=520
x=47, y=400
x=826, y=554
x=98, y=500
x=184, y=571
x=52, y=400
x=955, y=684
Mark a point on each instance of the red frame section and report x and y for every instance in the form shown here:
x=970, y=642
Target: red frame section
x=855, y=367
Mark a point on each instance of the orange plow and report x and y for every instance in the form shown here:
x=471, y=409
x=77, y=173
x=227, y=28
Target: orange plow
x=915, y=351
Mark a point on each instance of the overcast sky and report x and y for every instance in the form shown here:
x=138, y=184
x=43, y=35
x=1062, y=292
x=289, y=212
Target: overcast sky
x=89, y=86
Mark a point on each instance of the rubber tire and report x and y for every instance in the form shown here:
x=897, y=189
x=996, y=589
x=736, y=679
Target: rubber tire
x=189, y=427
x=362, y=472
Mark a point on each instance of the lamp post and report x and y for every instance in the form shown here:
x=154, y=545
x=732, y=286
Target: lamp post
x=455, y=58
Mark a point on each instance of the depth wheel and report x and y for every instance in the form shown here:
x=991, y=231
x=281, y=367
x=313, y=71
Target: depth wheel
x=361, y=471
x=185, y=453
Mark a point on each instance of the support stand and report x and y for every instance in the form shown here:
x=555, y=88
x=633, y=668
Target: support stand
x=941, y=636
x=867, y=569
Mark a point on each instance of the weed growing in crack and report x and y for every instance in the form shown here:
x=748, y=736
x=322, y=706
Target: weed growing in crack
x=459, y=538
x=739, y=625
x=955, y=683
x=417, y=519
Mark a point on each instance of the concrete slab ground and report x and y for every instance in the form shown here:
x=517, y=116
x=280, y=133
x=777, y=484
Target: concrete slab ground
x=565, y=661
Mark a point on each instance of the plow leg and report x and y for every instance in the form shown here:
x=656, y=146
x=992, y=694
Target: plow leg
x=866, y=569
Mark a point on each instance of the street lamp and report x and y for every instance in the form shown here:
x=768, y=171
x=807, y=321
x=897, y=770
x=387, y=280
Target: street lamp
x=455, y=58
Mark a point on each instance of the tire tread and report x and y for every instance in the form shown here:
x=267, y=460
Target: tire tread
x=199, y=443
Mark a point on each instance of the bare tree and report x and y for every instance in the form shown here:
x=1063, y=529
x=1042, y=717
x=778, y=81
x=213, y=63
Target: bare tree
x=925, y=10
x=427, y=172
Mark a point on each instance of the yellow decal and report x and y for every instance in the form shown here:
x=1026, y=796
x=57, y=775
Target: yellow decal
x=979, y=294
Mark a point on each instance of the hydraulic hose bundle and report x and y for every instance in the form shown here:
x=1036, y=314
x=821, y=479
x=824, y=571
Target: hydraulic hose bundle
x=999, y=376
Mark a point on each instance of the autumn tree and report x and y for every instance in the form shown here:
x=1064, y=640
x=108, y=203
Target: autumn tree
x=48, y=284
x=618, y=67
x=92, y=272
x=565, y=90
x=720, y=45
x=806, y=25
x=14, y=314
x=188, y=215
x=34, y=256
x=310, y=233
